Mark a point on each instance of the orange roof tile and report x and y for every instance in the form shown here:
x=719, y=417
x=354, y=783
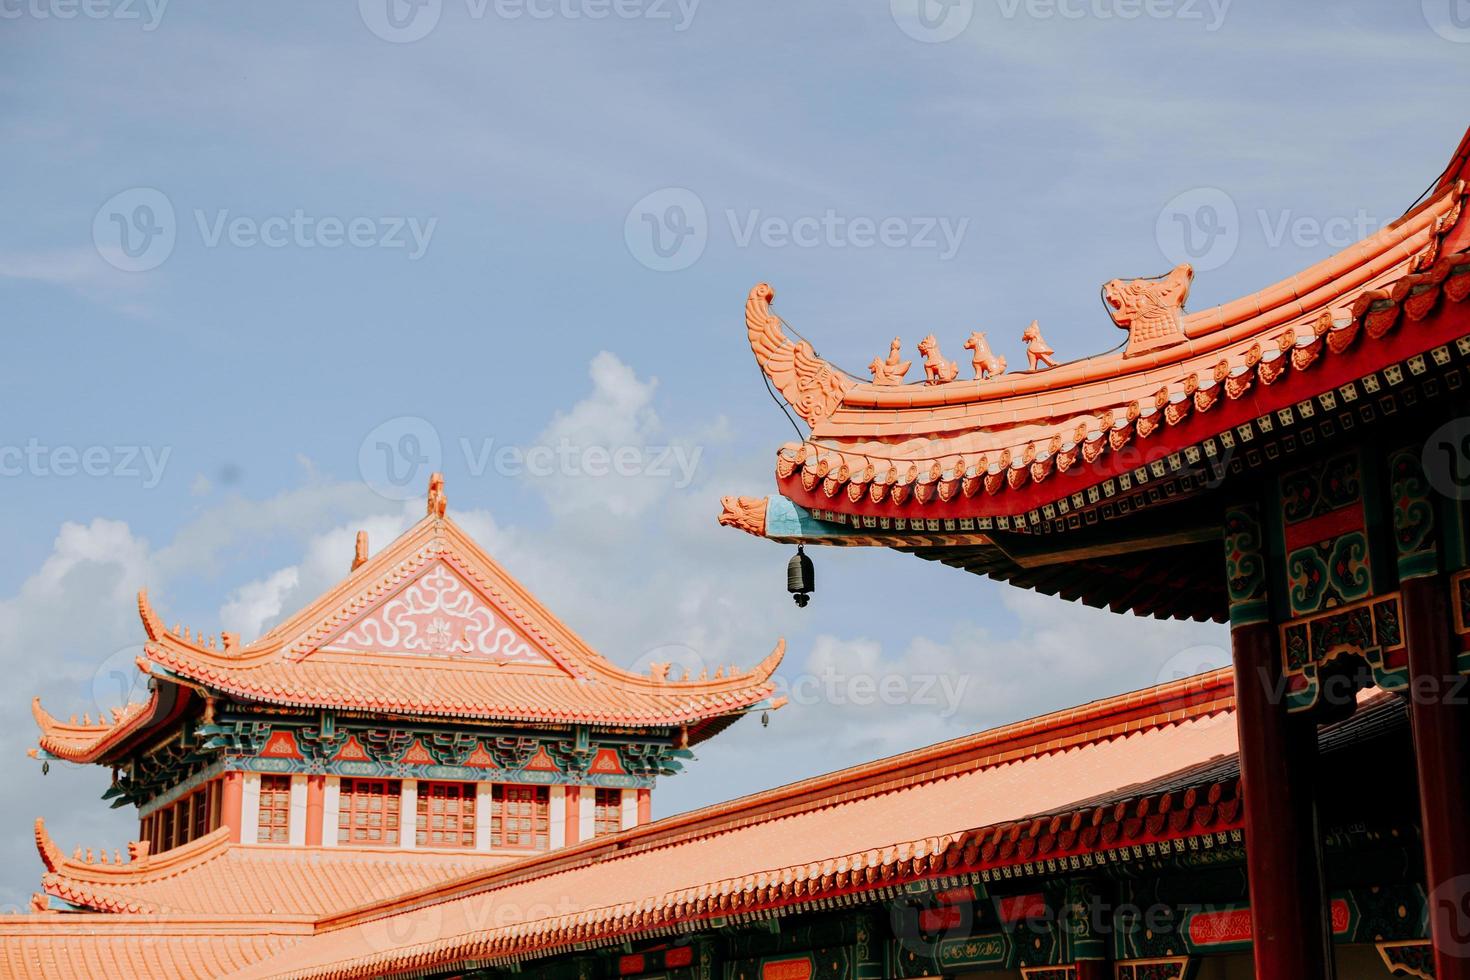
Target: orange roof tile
x=212, y=875
x=987, y=447
x=915, y=815
x=57, y=947
x=431, y=625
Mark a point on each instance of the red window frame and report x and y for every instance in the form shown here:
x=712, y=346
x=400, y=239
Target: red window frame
x=445, y=815
x=368, y=811
x=607, y=813
x=274, y=822
x=520, y=817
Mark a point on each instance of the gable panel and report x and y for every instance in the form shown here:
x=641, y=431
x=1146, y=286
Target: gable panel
x=436, y=614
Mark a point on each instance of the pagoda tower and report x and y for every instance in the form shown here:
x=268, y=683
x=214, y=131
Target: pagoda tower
x=424, y=718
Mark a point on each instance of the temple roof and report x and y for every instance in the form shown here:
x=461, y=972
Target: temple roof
x=1123, y=452
x=1001, y=450
x=215, y=877
x=429, y=626
x=1007, y=797
x=1154, y=769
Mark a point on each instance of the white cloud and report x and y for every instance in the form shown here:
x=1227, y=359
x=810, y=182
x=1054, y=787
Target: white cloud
x=255, y=604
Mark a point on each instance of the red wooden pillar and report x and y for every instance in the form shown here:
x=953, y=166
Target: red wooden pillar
x=1292, y=938
x=645, y=807
x=1291, y=932
x=574, y=815
x=231, y=803
x=316, y=789
x=1442, y=753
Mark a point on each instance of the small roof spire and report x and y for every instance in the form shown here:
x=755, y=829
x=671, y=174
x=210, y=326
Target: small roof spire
x=437, y=502
x=360, y=555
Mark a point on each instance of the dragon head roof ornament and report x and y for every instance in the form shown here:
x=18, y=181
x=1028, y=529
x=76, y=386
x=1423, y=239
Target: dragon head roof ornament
x=809, y=384
x=1151, y=310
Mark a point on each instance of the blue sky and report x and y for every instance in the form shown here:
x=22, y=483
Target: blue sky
x=228, y=382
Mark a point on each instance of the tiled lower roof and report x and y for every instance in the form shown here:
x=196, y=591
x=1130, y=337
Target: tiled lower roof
x=992, y=800
x=54, y=947
x=213, y=876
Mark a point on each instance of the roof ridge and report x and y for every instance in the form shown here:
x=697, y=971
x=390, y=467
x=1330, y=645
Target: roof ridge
x=1299, y=295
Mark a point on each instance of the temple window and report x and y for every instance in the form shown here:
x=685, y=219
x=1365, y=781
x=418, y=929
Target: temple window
x=368, y=812
x=184, y=820
x=520, y=817
x=446, y=815
x=198, y=814
x=608, y=815
x=275, y=810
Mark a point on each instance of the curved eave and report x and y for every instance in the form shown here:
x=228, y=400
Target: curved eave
x=71, y=742
x=669, y=704
x=92, y=883
x=1021, y=441
x=953, y=477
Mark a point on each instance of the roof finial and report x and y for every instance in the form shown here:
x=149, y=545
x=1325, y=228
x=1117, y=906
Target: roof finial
x=1037, y=351
x=360, y=557
x=437, y=502
x=892, y=370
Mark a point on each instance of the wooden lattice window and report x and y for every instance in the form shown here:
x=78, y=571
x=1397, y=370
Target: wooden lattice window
x=607, y=818
x=368, y=812
x=199, y=813
x=275, y=810
x=520, y=817
x=183, y=820
x=446, y=815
